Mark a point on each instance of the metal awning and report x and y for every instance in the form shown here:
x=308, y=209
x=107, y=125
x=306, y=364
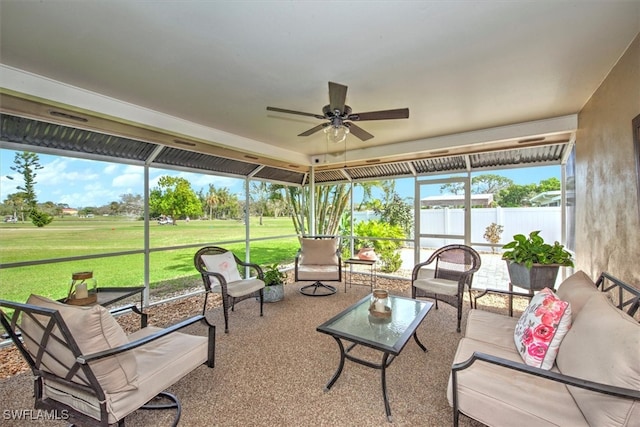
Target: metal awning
x=27, y=134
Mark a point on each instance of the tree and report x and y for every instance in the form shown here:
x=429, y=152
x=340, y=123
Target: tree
x=26, y=164
x=515, y=195
x=482, y=184
x=489, y=183
x=174, y=197
x=397, y=212
x=551, y=184
x=16, y=201
x=211, y=199
x=258, y=193
x=330, y=203
x=130, y=204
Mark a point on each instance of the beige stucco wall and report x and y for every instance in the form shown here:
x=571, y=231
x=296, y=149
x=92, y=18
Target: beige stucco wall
x=607, y=217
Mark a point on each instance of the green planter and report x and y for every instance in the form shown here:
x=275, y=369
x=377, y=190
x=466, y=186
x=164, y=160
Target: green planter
x=273, y=293
x=538, y=277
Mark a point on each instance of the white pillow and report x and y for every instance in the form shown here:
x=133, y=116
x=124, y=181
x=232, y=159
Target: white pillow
x=224, y=264
x=541, y=329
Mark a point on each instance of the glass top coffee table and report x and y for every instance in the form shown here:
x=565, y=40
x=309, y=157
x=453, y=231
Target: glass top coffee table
x=389, y=336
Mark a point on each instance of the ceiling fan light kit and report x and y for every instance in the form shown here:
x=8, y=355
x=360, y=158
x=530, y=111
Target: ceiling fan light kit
x=336, y=134
x=340, y=118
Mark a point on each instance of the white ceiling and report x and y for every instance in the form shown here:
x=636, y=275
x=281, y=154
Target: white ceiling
x=459, y=66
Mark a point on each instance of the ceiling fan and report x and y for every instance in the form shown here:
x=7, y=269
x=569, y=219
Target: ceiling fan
x=340, y=117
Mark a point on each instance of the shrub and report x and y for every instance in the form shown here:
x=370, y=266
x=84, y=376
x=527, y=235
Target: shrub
x=386, y=249
x=39, y=218
x=492, y=234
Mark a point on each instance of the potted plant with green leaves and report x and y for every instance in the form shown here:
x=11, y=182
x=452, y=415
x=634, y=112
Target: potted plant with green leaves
x=274, y=283
x=534, y=264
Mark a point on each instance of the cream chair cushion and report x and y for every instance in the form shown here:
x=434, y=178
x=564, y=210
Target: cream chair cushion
x=437, y=286
x=223, y=263
x=319, y=251
x=94, y=329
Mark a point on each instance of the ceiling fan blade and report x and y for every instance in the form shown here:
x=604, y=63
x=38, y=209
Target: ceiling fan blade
x=337, y=96
x=314, y=129
x=300, y=113
x=400, y=113
x=358, y=131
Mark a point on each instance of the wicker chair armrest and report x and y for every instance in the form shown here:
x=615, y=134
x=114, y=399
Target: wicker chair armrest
x=543, y=373
x=253, y=266
x=86, y=358
x=417, y=267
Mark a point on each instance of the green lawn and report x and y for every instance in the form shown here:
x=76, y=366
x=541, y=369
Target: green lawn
x=170, y=269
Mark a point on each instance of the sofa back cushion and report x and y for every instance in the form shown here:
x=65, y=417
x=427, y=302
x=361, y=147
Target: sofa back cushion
x=603, y=345
x=541, y=328
x=577, y=289
x=93, y=329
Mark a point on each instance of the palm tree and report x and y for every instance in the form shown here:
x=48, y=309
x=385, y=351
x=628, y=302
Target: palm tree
x=212, y=199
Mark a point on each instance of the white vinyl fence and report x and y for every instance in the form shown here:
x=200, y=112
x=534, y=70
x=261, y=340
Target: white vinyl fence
x=514, y=220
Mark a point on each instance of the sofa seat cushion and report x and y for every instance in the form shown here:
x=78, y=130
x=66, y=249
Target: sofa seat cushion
x=576, y=290
x=161, y=363
x=603, y=345
x=497, y=396
x=541, y=329
x=491, y=328
x=318, y=272
x=240, y=287
x=94, y=329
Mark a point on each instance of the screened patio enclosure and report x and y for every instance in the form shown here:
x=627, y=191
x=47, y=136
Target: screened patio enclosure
x=23, y=132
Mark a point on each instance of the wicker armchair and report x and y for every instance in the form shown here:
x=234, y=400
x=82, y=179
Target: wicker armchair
x=219, y=270
x=88, y=371
x=445, y=275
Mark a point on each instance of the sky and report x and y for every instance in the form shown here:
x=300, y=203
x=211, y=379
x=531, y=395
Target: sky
x=88, y=183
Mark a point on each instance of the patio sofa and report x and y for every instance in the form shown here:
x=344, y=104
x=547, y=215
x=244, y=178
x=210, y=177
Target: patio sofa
x=594, y=379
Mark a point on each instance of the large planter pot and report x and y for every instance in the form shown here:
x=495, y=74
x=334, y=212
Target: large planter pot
x=273, y=293
x=538, y=277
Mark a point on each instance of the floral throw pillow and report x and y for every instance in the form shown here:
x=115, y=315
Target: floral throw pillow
x=541, y=329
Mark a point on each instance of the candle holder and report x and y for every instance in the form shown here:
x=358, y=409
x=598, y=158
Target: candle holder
x=380, y=306
x=83, y=289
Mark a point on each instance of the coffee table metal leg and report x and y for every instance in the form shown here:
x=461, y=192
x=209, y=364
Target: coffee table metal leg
x=340, y=366
x=415, y=337
x=387, y=407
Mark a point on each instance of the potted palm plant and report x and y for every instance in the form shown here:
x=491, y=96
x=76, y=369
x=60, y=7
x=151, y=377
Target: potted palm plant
x=274, y=283
x=534, y=264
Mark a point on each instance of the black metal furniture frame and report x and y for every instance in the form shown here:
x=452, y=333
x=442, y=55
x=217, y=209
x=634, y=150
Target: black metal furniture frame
x=349, y=276
x=626, y=296
x=10, y=319
x=389, y=353
x=112, y=295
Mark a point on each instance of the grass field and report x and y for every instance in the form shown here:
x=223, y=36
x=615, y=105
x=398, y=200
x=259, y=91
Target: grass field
x=169, y=269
